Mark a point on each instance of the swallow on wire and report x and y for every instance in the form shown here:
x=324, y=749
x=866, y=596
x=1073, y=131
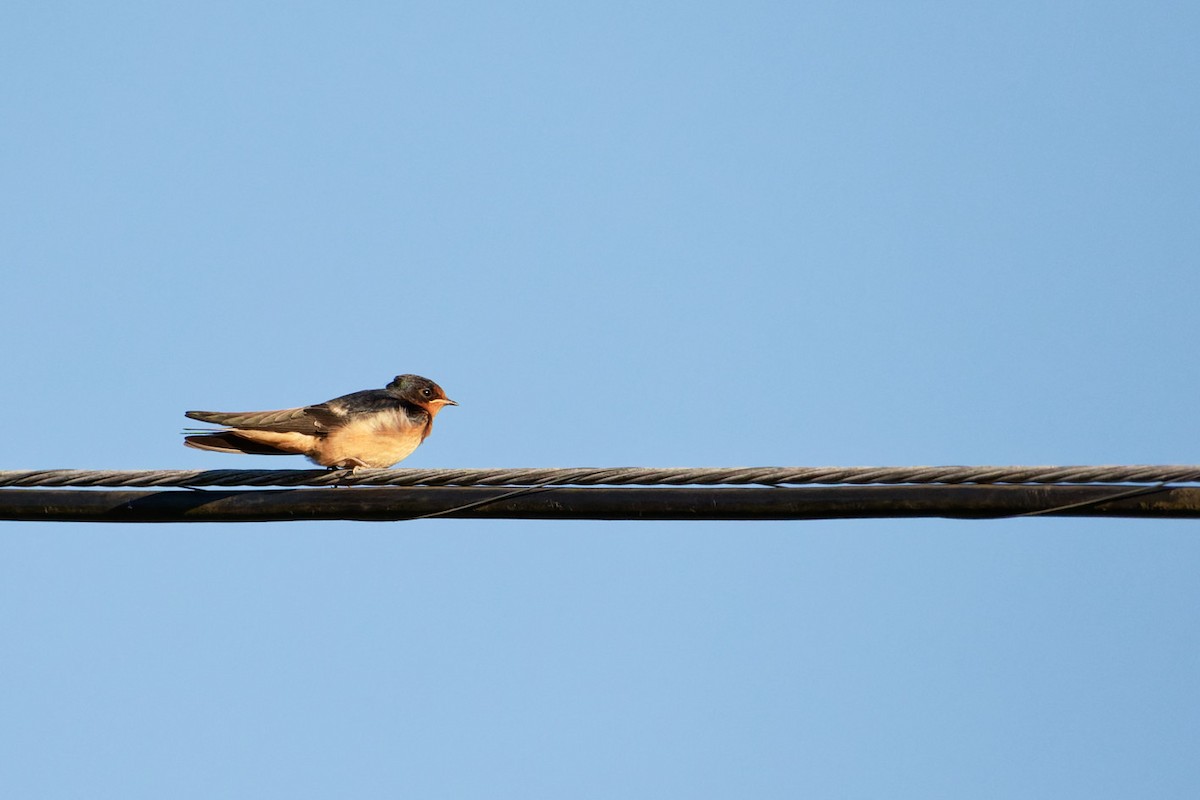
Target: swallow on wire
x=374, y=428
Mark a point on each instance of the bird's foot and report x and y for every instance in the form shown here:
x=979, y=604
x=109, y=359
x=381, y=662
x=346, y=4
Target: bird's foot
x=348, y=468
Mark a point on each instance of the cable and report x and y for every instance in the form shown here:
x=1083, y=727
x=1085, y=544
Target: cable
x=613, y=476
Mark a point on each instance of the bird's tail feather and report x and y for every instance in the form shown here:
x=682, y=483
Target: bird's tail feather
x=230, y=442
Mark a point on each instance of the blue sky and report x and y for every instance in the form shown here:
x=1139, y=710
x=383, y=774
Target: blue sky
x=644, y=234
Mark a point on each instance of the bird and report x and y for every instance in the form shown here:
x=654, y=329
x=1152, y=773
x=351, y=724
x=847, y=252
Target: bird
x=374, y=428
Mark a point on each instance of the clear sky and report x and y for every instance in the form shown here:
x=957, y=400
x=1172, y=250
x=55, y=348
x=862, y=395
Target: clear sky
x=619, y=234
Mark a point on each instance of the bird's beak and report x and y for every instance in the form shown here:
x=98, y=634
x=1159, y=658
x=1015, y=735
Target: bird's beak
x=449, y=402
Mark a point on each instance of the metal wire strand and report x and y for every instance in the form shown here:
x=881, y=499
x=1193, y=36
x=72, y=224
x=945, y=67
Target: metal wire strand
x=613, y=476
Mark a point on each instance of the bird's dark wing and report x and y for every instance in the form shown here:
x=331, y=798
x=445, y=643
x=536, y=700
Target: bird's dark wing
x=308, y=419
x=313, y=420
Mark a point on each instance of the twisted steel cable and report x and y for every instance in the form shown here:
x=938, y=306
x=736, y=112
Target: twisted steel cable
x=613, y=476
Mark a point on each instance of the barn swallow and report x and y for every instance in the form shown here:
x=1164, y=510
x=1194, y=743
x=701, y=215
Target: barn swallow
x=373, y=428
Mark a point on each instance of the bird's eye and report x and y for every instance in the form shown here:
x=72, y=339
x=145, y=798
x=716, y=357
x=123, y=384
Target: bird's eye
x=427, y=392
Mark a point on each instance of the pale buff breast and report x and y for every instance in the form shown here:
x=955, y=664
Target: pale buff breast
x=375, y=440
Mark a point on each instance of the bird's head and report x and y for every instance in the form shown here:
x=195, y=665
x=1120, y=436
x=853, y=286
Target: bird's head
x=420, y=392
